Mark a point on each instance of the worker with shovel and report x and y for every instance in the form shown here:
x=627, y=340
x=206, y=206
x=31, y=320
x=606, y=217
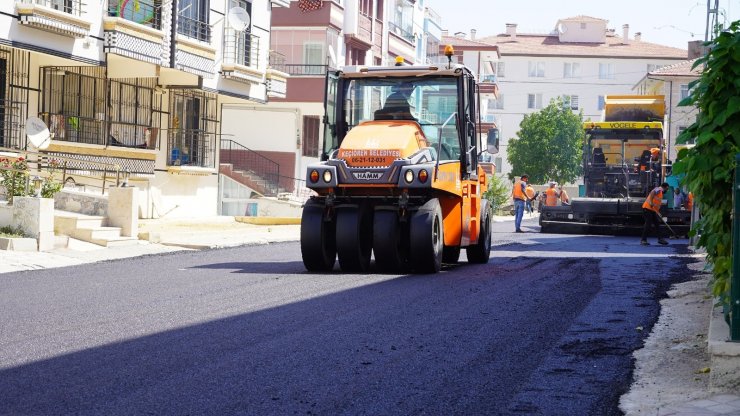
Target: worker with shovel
x=651, y=212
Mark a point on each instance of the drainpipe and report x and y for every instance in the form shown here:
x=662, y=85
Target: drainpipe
x=670, y=115
x=173, y=34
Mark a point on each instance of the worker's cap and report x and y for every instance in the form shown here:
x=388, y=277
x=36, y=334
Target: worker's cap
x=654, y=151
x=553, y=183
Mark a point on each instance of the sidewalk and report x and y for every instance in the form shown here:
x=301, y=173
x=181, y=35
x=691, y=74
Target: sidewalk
x=671, y=370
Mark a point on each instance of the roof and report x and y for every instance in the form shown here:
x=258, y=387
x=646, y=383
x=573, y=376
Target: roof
x=681, y=69
x=466, y=43
x=582, y=18
x=550, y=45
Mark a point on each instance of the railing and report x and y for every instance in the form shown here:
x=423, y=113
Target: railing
x=73, y=7
x=433, y=16
x=298, y=193
x=143, y=12
x=193, y=28
x=247, y=160
x=241, y=48
x=299, y=69
x=489, y=78
x=399, y=31
x=276, y=59
x=73, y=169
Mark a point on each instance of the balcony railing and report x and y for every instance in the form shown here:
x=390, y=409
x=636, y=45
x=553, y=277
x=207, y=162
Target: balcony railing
x=365, y=27
x=73, y=7
x=190, y=148
x=489, y=78
x=276, y=60
x=193, y=28
x=241, y=48
x=300, y=69
x=142, y=12
x=399, y=31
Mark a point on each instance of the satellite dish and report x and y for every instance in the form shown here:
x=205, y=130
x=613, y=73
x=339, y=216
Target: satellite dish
x=238, y=19
x=562, y=28
x=37, y=133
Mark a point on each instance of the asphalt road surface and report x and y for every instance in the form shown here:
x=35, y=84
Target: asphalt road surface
x=546, y=328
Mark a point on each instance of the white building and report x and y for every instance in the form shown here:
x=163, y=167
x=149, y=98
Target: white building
x=673, y=82
x=136, y=86
x=581, y=60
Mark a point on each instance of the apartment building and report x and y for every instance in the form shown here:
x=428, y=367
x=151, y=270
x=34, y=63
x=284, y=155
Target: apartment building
x=581, y=60
x=673, y=81
x=137, y=86
x=483, y=60
x=308, y=38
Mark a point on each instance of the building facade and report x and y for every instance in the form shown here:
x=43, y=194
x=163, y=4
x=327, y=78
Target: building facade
x=311, y=37
x=137, y=86
x=581, y=61
x=673, y=81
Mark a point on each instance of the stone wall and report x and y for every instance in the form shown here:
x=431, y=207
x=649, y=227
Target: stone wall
x=81, y=202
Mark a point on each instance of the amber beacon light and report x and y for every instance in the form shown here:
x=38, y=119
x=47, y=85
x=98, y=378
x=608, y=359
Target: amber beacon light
x=449, y=51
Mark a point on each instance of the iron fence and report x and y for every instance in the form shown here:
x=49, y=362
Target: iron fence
x=190, y=147
x=194, y=28
x=399, y=31
x=299, y=69
x=247, y=160
x=73, y=7
x=14, y=94
x=241, y=48
x=276, y=59
x=143, y=12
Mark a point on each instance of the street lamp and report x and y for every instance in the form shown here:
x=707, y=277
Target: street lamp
x=37, y=183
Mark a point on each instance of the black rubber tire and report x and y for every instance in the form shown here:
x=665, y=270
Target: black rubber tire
x=354, y=237
x=426, y=237
x=318, y=245
x=451, y=254
x=480, y=253
x=390, y=242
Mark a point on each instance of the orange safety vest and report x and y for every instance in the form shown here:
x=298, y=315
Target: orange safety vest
x=551, y=197
x=529, y=192
x=517, y=193
x=690, y=201
x=654, y=202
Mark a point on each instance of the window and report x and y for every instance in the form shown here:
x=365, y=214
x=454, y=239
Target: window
x=143, y=12
x=313, y=58
x=570, y=101
x=601, y=102
x=583, y=25
x=536, y=69
x=571, y=70
x=192, y=20
x=497, y=103
x=652, y=67
x=402, y=21
x=311, y=136
x=500, y=69
x=534, y=101
x=499, y=162
x=606, y=71
x=685, y=92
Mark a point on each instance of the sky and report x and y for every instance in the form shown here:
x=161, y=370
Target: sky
x=666, y=22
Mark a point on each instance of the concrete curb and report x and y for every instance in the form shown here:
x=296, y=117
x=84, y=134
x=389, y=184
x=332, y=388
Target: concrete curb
x=725, y=355
x=269, y=220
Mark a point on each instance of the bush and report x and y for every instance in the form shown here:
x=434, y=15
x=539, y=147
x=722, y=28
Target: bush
x=498, y=193
x=11, y=232
x=14, y=175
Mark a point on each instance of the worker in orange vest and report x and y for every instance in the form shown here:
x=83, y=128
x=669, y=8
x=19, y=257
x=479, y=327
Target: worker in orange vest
x=690, y=201
x=518, y=194
x=552, y=195
x=651, y=211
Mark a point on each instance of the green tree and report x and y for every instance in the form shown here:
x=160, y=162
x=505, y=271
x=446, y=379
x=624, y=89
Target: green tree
x=548, y=146
x=498, y=193
x=710, y=164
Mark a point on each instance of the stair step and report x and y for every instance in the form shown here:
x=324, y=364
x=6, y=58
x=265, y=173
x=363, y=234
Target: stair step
x=97, y=233
x=117, y=242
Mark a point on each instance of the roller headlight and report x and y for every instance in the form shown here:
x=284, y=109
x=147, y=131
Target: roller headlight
x=409, y=176
x=327, y=176
x=314, y=176
x=423, y=176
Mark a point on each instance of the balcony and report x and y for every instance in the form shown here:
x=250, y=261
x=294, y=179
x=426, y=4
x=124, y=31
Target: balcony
x=134, y=32
x=302, y=69
x=193, y=148
x=401, y=32
x=241, y=57
x=57, y=16
x=488, y=84
x=277, y=81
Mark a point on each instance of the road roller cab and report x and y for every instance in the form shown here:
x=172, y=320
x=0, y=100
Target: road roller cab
x=399, y=174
